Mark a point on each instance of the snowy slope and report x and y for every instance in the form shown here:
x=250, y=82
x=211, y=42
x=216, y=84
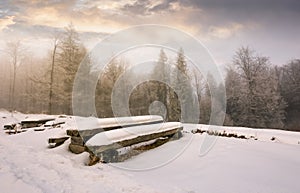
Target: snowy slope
x=232, y=165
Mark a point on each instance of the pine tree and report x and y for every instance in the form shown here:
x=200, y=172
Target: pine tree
x=71, y=53
x=105, y=87
x=183, y=88
x=161, y=73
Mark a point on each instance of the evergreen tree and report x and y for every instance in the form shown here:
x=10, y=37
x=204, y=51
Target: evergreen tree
x=161, y=73
x=105, y=87
x=71, y=53
x=183, y=88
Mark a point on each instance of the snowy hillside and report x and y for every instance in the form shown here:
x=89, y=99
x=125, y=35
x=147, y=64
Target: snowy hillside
x=233, y=165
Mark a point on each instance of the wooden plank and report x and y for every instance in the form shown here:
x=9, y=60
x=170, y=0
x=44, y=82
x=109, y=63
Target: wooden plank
x=58, y=140
x=73, y=133
x=35, y=123
x=77, y=149
x=77, y=141
x=92, y=132
x=55, y=142
x=88, y=133
x=97, y=150
x=58, y=124
x=9, y=126
x=39, y=129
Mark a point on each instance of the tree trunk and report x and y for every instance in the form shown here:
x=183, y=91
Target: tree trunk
x=52, y=77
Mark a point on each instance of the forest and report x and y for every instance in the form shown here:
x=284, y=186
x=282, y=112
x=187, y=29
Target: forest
x=259, y=94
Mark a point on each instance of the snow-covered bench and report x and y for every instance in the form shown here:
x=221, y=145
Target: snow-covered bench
x=13, y=128
x=91, y=125
x=29, y=123
x=85, y=128
x=103, y=146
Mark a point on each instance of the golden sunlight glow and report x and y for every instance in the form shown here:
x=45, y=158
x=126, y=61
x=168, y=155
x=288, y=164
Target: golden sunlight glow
x=6, y=21
x=224, y=32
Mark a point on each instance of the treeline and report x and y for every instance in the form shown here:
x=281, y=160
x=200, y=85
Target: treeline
x=258, y=94
x=35, y=85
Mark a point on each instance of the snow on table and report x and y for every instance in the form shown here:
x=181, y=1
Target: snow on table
x=83, y=123
x=114, y=136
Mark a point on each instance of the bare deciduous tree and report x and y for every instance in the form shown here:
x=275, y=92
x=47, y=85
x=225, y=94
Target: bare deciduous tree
x=15, y=51
x=289, y=76
x=53, y=61
x=258, y=102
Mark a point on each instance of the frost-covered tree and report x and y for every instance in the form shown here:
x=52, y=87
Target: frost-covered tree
x=289, y=76
x=183, y=86
x=52, y=67
x=161, y=73
x=233, y=85
x=200, y=88
x=15, y=50
x=253, y=95
x=71, y=52
x=105, y=87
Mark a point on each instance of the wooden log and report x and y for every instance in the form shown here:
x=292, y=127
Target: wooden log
x=35, y=123
x=77, y=149
x=58, y=124
x=93, y=159
x=88, y=133
x=9, y=126
x=73, y=133
x=112, y=155
x=142, y=148
x=39, y=129
x=58, y=140
x=9, y=132
x=77, y=141
x=97, y=150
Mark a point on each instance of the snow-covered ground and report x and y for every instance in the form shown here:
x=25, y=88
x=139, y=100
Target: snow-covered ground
x=232, y=165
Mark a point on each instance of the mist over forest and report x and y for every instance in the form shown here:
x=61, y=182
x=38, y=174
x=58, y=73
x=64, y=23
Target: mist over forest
x=259, y=94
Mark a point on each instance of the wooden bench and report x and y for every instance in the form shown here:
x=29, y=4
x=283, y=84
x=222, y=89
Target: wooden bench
x=35, y=122
x=13, y=128
x=103, y=146
x=91, y=126
x=88, y=127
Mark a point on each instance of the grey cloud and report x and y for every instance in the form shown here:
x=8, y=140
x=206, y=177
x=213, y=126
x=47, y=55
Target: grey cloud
x=20, y=6
x=21, y=29
x=244, y=4
x=165, y=5
x=7, y=9
x=87, y=36
x=26, y=30
x=144, y=7
x=241, y=10
x=278, y=20
x=139, y=7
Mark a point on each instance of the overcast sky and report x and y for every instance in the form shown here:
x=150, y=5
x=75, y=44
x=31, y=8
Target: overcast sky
x=271, y=27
